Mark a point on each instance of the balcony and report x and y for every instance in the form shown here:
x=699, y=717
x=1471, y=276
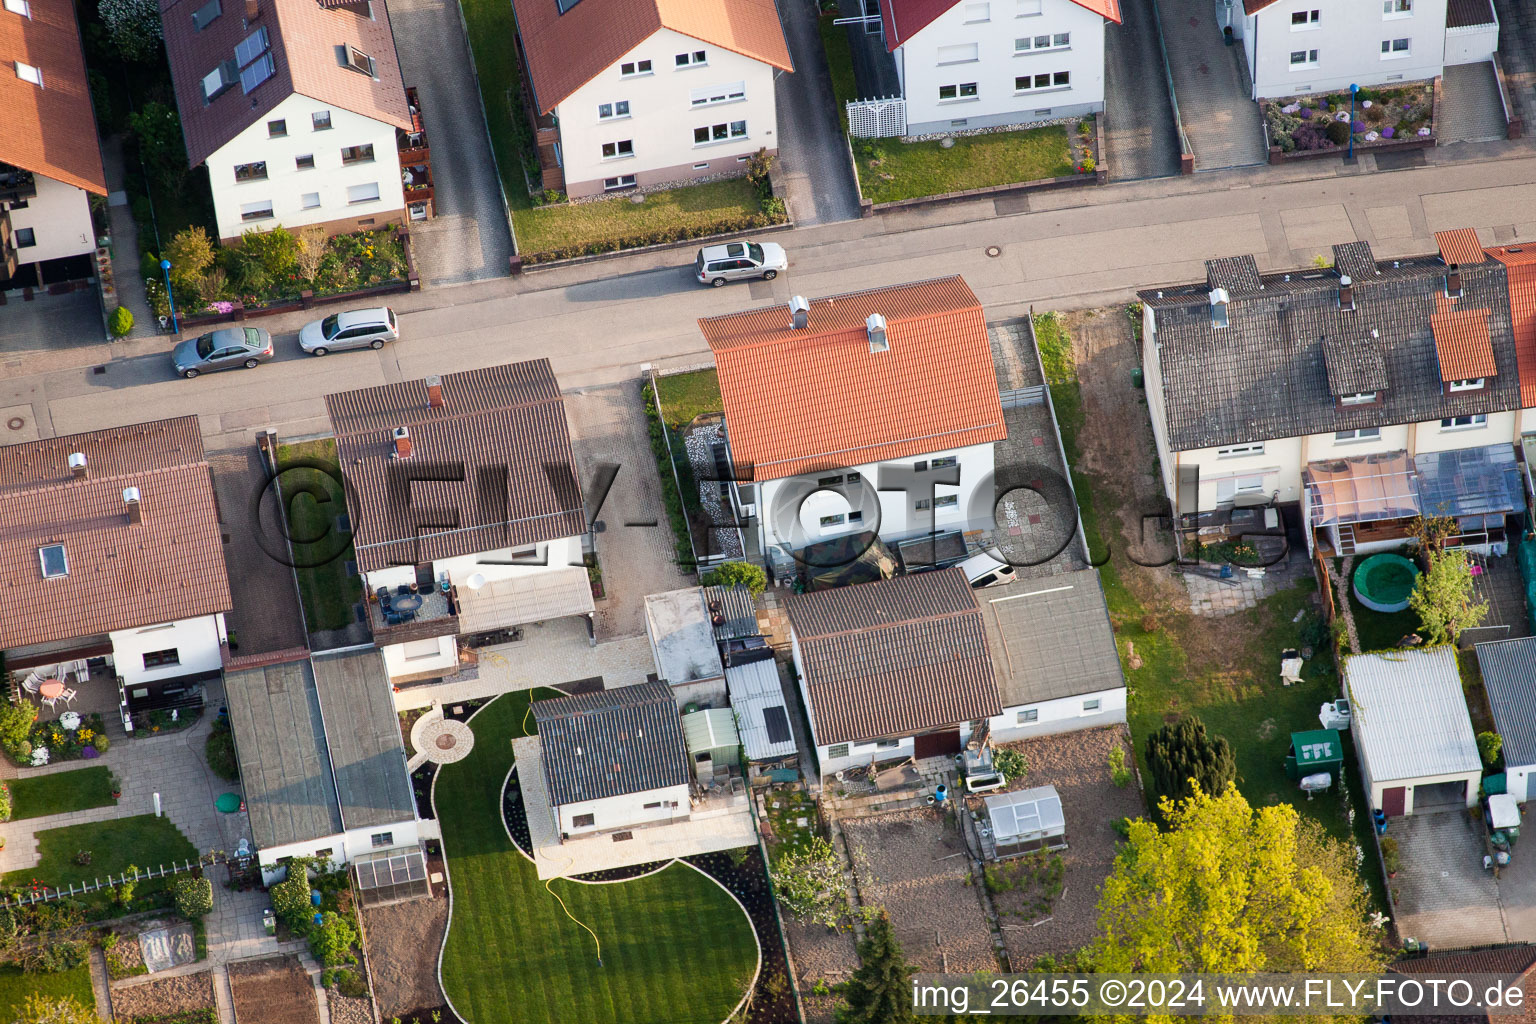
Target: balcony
x=16, y=184
x=415, y=154
x=397, y=617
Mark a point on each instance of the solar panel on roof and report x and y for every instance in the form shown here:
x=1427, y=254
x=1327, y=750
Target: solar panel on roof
x=778, y=724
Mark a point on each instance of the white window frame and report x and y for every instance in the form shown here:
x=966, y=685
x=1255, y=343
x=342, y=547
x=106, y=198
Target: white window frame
x=619, y=154
x=259, y=210
x=1054, y=86
x=1312, y=20
x=833, y=522
x=1357, y=435
x=732, y=134
x=305, y=204
x=1470, y=384
x=637, y=69
x=1309, y=62
x=691, y=59
x=1476, y=421
x=715, y=95
x=43, y=564
x=1093, y=706
x=1236, y=451
x=616, y=183
x=1030, y=9
x=959, y=95
x=1391, y=10
x=613, y=110
x=1025, y=45
x=1389, y=50
x=1358, y=398
x=1028, y=716
x=958, y=53
x=946, y=504
x=28, y=73
x=356, y=199
x=978, y=12
x=24, y=9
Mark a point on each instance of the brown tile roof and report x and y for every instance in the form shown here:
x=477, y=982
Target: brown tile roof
x=121, y=576
x=1463, y=344
x=49, y=131
x=894, y=657
x=797, y=401
x=1515, y=961
x=1460, y=246
x=906, y=18
x=303, y=36
x=1520, y=263
x=1466, y=13
x=566, y=51
x=1255, y=6
x=490, y=469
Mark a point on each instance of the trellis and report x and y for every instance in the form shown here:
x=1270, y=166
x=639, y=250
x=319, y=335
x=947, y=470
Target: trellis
x=878, y=118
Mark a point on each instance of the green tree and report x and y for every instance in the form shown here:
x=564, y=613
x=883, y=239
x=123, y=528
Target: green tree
x=332, y=942
x=40, y=1009
x=134, y=26
x=194, y=897
x=1181, y=752
x=124, y=891
x=157, y=128
x=191, y=253
x=277, y=251
x=1489, y=745
x=879, y=991
x=737, y=574
x=1443, y=597
x=809, y=882
x=1232, y=888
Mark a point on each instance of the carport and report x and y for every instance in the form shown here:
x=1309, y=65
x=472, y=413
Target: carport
x=1509, y=677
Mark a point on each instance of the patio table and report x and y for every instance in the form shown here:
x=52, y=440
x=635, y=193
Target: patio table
x=405, y=603
x=51, y=689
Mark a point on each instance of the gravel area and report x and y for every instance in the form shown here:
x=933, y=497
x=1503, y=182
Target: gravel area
x=402, y=944
x=345, y=1010
x=1077, y=764
x=163, y=996
x=915, y=866
x=275, y=990
x=715, y=508
x=820, y=955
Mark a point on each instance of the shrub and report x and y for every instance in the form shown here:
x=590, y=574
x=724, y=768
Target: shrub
x=120, y=322
x=220, y=751
x=134, y=26
x=1337, y=132
x=157, y=128
x=1088, y=165
x=277, y=251
x=737, y=574
x=1391, y=856
x=332, y=942
x=1309, y=138
x=124, y=891
x=1489, y=745
x=101, y=743
x=191, y=253
x=1010, y=763
x=809, y=882
x=726, y=225
x=1376, y=114
x=5, y=802
x=290, y=898
x=1119, y=774
x=51, y=957
x=774, y=210
x=16, y=725
x=194, y=897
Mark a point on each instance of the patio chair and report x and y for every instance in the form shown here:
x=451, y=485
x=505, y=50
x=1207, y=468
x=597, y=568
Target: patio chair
x=67, y=697
x=50, y=702
x=30, y=683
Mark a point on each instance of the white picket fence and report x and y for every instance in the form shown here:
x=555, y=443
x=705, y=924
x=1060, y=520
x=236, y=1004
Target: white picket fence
x=42, y=894
x=877, y=119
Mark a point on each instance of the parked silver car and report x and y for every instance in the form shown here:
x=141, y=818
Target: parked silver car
x=356, y=328
x=737, y=261
x=223, y=349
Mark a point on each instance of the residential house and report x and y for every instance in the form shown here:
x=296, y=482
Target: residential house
x=50, y=164
x=465, y=510
x=968, y=64
x=1296, y=47
x=871, y=412
x=892, y=669
x=633, y=93
x=1508, y=669
x=1412, y=731
x=1509, y=961
x=294, y=107
x=678, y=624
x=613, y=760
x=111, y=552
x=1359, y=395
x=323, y=765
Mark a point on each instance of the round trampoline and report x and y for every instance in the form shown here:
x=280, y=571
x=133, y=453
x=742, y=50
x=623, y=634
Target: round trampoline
x=1383, y=582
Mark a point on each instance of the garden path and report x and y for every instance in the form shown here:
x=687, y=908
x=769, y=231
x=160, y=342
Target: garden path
x=125, y=243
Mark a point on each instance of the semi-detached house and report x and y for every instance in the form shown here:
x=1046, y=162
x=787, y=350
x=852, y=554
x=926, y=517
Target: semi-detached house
x=294, y=106
x=631, y=93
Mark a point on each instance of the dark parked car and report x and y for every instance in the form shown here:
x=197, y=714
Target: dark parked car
x=222, y=350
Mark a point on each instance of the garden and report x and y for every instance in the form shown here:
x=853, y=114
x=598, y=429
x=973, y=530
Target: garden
x=1322, y=122
x=83, y=854
x=59, y=793
x=323, y=910
x=28, y=742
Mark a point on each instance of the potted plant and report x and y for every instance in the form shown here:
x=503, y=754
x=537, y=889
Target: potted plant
x=117, y=787
x=1226, y=35
x=1391, y=857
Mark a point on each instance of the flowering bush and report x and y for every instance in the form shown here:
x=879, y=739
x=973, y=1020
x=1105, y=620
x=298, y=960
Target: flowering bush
x=52, y=742
x=134, y=26
x=275, y=266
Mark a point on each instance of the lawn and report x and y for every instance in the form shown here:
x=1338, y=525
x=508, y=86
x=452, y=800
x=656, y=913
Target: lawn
x=686, y=395
x=890, y=170
x=492, y=22
x=690, y=210
x=143, y=841
x=312, y=493
x=675, y=947
x=63, y=791
x=15, y=986
x=845, y=87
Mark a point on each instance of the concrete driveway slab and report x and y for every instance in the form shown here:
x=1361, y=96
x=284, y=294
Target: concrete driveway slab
x=1446, y=898
x=1211, y=82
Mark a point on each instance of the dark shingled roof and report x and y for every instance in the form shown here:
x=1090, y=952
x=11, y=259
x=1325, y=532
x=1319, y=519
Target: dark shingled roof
x=1509, y=674
x=894, y=657
x=1265, y=376
x=611, y=742
x=1050, y=638
x=363, y=734
x=1239, y=275
x=1466, y=13
x=1355, y=364
x=1354, y=260
x=490, y=469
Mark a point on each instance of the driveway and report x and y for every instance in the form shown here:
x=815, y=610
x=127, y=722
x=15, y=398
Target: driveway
x=469, y=240
x=1141, y=140
x=1517, y=52
x=813, y=158
x=1470, y=109
x=1444, y=896
x=1211, y=82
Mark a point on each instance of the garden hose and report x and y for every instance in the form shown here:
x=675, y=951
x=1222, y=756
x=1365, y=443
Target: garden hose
x=595, y=940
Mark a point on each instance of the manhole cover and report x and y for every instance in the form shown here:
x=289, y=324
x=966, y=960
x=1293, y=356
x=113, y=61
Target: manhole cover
x=446, y=741
x=994, y=251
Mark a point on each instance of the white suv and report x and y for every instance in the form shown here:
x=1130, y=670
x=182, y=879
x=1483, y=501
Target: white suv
x=357, y=328
x=735, y=261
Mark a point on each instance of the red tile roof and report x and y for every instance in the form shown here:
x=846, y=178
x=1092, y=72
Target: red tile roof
x=906, y=18
x=802, y=400
x=121, y=576
x=49, y=130
x=1459, y=246
x=566, y=51
x=1463, y=344
x=1520, y=263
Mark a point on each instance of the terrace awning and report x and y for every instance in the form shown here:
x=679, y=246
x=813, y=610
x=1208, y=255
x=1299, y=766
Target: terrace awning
x=1470, y=481
x=1361, y=489
x=532, y=597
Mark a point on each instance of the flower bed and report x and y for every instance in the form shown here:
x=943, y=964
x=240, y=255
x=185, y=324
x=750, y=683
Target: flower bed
x=50, y=741
x=1304, y=125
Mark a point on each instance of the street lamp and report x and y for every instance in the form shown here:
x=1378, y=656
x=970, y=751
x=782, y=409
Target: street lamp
x=165, y=265
x=1353, y=88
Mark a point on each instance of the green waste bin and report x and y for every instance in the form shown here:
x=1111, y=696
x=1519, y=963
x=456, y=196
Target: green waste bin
x=1137, y=378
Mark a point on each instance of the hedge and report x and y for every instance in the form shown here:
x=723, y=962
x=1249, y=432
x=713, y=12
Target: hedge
x=660, y=237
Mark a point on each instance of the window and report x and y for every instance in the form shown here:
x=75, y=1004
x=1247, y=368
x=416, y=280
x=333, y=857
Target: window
x=720, y=133
x=28, y=73
x=161, y=659
x=653, y=805
x=975, y=13
x=631, y=68
x=357, y=154
x=1396, y=8
x=1394, y=48
x=1034, y=44
x=960, y=53
x=1303, y=59
x=584, y=821
x=622, y=181
x=320, y=120
x=251, y=47
x=309, y=200
x=1473, y=384
x=363, y=193
x=257, y=73
x=204, y=15
x=1359, y=398
x=1028, y=8
x=947, y=501
x=836, y=520
x=608, y=111
x=1304, y=19
x=1092, y=706
x=1035, y=83
x=1029, y=715
x=25, y=238
x=1360, y=434
x=920, y=467
x=306, y=162
x=837, y=750
x=20, y=7
x=1248, y=484
x=260, y=210
x=615, y=150
x=251, y=172
x=1464, y=422
x=1232, y=451
x=963, y=91
x=942, y=462
x=728, y=93
x=53, y=561
x=855, y=517
x=829, y=481
x=382, y=839
x=357, y=60
x=277, y=129
x=691, y=60
x=219, y=79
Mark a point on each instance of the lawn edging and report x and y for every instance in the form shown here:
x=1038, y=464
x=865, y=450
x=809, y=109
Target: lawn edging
x=519, y=266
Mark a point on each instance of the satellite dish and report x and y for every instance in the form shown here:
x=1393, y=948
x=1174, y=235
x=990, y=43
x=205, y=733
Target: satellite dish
x=476, y=581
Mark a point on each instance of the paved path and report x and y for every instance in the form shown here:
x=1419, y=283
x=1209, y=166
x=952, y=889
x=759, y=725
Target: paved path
x=125, y=243
x=813, y=162
x=1211, y=81
x=1142, y=140
x=1470, y=108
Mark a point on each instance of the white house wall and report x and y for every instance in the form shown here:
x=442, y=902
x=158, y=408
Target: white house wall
x=493, y=565
x=1065, y=714
x=196, y=642
x=941, y=54
x=862, y=754
x=1471, y=45
x=1518, y=781
x=662, y=117
x=619, y=812
x=286, y=185
x=60, y=219
x=1378, y=787
x=1347, y=38
x=344, y=847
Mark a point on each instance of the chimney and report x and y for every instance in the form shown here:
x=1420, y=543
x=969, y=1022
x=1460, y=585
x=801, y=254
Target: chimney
x=402, y=437
x=135, y=510
x=77, y=465
x=1346, y=292
x=799, y=311
x=874, y=325
x=1453, y=281
x=252, y=10
x=1219, y=300
x=435, y=391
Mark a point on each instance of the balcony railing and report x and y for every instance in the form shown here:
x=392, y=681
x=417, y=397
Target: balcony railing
x=16, y=184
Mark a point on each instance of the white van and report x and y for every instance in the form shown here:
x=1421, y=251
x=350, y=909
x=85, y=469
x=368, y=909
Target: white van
x=986, y=571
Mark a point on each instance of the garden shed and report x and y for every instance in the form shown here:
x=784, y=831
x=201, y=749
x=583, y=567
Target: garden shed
x=1026, y=820
x=1319, y=750
x=712, y=741
x=1509, y=676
